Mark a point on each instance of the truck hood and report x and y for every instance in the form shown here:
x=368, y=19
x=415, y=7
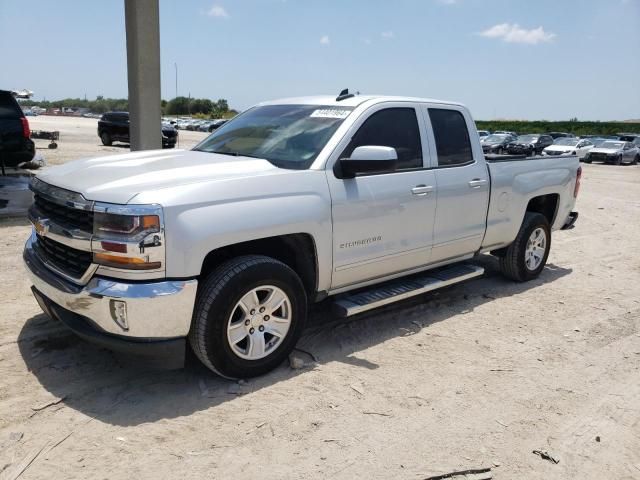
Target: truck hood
x=560, y=148
x=608, y=151
x=119, y=178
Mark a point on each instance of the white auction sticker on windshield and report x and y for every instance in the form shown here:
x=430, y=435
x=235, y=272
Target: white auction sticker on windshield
x=330, y=113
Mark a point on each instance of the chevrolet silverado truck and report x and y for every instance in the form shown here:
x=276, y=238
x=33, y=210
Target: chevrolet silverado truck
x=364, y=199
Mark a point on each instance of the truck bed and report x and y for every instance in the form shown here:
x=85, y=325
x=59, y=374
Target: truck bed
x=515, y=180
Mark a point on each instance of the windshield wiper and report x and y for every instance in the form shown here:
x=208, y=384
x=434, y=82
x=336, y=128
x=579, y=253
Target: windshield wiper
x=238, y=154
x=233, y=154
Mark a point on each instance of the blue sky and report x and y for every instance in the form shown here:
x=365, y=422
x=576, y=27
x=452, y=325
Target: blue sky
x=518, y=59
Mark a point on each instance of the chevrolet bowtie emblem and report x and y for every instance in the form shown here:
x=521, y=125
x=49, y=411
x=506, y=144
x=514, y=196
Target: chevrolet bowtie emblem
x=42, y=226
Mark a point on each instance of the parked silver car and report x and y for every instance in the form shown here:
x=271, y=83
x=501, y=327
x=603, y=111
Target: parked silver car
x=614, y=151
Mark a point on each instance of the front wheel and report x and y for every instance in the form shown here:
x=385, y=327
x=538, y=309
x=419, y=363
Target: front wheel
x=618, y=160
x=248, y=316
x=106, y=139
x=525, y=258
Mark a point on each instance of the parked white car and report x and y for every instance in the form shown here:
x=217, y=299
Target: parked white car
x=569, y=146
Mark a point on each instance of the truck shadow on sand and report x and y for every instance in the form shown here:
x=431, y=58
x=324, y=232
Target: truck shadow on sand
x=119, y=390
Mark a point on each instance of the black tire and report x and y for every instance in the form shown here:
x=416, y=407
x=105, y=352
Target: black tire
x=499, y=151
x=512, y=264
x=216, y=301
x=586, y=160
x=106, y=139
x=636, y=160
x=618, y=160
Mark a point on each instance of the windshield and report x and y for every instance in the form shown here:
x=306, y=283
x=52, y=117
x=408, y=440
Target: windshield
x=527, y=139
x=610, y=144
x=288, y=136
x=495, y=138
x=567, y=141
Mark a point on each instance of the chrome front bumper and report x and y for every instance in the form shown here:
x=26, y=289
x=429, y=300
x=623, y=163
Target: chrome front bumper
x=154, y=310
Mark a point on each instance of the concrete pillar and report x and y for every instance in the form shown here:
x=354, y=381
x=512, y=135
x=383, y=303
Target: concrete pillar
x=142, y=18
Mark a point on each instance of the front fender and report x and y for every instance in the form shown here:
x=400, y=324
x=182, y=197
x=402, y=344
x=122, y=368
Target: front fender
x=206, y=217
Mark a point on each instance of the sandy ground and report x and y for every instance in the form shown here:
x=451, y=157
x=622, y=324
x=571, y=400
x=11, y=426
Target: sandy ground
x=79, y=139
x=477, y=375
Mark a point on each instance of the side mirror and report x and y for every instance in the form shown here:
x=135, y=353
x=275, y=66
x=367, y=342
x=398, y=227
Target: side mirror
x=367, y=159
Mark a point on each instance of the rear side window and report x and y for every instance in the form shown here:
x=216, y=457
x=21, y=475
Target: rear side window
x=452, y=137
x=9, y=108
x=392, y=127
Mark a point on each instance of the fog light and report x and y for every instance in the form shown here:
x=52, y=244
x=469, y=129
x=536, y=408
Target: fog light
x=119, y=313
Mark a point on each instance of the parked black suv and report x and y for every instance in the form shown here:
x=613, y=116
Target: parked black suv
x=114, y=127
x=529, y=144
x=15, y=145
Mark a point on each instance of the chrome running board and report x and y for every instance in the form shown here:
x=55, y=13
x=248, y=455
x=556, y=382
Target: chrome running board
x=400, y=289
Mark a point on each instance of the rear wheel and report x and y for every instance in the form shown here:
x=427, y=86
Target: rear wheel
x=106, y=139
x=525, y=258
x=249, y=314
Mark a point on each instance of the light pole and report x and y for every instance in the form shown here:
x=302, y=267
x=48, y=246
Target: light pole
x=142, y=23
x=176, y=65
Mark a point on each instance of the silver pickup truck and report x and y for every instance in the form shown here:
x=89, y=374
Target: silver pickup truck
x=367, y=200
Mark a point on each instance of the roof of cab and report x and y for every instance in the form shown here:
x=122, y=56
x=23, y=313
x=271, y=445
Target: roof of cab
x=352, y=101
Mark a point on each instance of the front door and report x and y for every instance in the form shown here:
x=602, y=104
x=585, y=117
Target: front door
x=383, y=223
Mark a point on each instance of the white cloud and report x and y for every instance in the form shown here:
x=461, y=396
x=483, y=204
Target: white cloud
x=447, y=2
x=324, y=40
x=218, y=11
x=387, y=34
x=513, y=33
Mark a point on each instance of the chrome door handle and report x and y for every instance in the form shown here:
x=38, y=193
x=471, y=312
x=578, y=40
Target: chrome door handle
x=477, y=183
x=421, y=190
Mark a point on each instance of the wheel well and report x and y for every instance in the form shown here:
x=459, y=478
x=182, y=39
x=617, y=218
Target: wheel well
x=547, y=205
x=297, y=251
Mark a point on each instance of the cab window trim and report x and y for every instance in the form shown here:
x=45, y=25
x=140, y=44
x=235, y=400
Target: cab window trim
x=437, y=166
x=421, y=141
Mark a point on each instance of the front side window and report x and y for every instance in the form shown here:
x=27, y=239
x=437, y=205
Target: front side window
x=288, y=136
x=452, y=137
x=391, y=127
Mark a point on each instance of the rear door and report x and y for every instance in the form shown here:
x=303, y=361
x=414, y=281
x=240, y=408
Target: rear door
x=383, y=223
x=122, y=122
x=629, y=152
x=462, y=183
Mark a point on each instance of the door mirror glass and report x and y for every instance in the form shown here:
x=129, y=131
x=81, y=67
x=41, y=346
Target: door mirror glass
x=367, y=159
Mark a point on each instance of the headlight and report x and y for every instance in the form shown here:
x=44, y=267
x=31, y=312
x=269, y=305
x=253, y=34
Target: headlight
x=130, y=238
x=131, y=226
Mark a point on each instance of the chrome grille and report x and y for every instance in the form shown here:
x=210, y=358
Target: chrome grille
x=65, y=216
x=66, y=259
